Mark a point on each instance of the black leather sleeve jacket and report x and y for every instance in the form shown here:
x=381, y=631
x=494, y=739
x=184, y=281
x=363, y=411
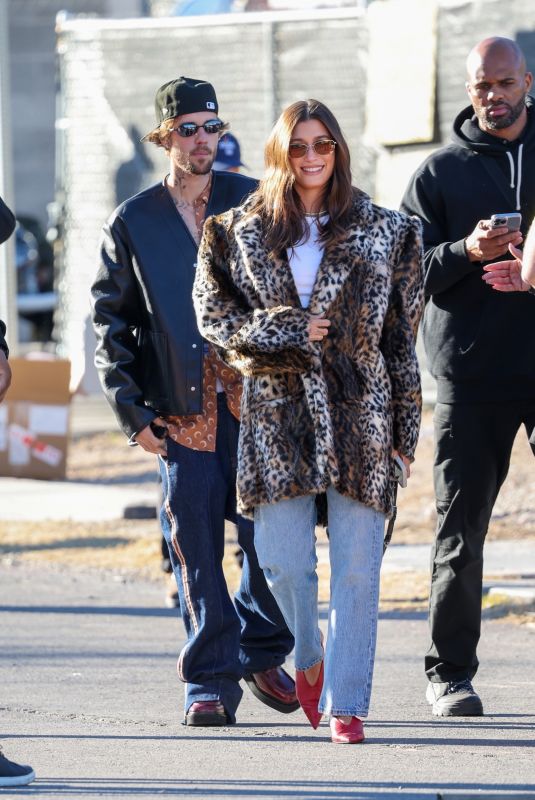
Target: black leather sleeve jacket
x=7, y=222
x=3, y=343
x=7, y=226
x=149, y=351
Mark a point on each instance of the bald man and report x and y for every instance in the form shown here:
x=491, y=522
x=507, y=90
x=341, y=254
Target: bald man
x=485, y=379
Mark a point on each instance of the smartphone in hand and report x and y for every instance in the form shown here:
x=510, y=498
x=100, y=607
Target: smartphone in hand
x=400, y=471
x=511, y=221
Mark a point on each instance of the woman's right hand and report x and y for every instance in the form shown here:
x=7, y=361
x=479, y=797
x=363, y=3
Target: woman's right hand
x=318, y=328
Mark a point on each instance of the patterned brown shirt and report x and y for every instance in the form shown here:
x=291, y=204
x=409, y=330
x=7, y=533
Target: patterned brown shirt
x=198, y=431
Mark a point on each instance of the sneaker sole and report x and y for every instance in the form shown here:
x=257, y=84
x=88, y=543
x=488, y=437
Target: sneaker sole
x=17, y=780
x=467, y=707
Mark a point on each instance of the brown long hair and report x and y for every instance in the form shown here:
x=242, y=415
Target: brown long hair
x=276, y=200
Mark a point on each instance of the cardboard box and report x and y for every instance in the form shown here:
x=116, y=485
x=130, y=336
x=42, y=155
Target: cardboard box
x=34, y=419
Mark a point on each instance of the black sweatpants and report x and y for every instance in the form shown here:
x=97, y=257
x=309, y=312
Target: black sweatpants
x=473, y=443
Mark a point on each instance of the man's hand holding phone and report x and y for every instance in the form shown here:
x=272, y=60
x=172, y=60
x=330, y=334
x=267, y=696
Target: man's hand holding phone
x=491, y=238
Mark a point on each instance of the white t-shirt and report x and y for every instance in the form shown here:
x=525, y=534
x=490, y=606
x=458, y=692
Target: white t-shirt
x=305, y=258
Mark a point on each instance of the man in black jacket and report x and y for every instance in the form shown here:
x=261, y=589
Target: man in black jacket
x=480, y=345
x=174, y=396
x=11, y=773
x=7, y=226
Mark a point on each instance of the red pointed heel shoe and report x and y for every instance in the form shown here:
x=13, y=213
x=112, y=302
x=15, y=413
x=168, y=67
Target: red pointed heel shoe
x=309, y=696
x=351, y=732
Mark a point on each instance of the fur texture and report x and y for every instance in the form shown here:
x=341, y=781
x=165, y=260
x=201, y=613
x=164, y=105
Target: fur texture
x=318, y=413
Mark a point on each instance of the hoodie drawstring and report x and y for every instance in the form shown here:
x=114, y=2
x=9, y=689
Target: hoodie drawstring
x=512, y=165
x=519, y=173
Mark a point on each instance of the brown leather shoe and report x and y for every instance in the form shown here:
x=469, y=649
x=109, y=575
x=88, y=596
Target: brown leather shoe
x=206, y=713
x=275, y=688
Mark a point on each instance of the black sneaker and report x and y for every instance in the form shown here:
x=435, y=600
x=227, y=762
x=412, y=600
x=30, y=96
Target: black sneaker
x=454, y=699
x=12, y=774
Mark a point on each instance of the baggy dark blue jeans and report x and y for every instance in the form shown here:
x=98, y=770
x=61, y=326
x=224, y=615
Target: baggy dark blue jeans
x=225, y=640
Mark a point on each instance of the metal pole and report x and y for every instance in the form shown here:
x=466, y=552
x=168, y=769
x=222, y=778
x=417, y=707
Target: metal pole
x=8, y=278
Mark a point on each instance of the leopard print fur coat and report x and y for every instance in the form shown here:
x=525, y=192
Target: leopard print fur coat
x=318, y=413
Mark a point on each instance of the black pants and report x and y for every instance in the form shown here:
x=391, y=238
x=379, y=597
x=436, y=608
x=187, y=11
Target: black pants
x=472, y=454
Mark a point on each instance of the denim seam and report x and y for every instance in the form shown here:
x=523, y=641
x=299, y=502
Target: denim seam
x=216, y=643
x=361, y=710
x=183, y=568
x=374, y=574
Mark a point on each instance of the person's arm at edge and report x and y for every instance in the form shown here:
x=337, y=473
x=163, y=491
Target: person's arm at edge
x=5, y=369
x=528, y=258
x=7, y=222
x=7, y=226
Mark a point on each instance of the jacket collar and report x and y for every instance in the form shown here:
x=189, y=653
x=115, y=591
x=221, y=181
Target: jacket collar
x=272, y=276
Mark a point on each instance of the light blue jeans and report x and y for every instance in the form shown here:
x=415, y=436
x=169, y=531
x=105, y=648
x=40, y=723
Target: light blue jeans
x=285, y=543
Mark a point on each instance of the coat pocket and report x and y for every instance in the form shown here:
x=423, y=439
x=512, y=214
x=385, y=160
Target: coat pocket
x=155, y=367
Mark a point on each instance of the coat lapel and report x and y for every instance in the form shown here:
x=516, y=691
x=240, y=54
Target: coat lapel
x=341, y=259
x=272, y=277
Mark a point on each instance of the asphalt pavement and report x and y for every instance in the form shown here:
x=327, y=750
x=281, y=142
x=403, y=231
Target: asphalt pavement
x=90, y=698
x=89, y=694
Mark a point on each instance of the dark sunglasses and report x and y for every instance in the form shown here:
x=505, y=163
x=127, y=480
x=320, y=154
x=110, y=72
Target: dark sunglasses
x=322, y=148
x=190, y=129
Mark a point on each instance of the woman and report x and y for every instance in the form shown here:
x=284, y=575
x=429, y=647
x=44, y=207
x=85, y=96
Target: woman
x=314, y=294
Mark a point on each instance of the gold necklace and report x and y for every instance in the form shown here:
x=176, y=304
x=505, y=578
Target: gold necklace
x=180, y=202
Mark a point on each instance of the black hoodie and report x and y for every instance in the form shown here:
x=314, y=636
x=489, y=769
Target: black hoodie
x=480, y=343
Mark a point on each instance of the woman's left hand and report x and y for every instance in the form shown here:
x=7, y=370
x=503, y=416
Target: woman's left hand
x=318, y=328
x=405, y=460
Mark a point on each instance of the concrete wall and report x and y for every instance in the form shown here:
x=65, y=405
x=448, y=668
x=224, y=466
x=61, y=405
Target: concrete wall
x=32, y=64
x=109, y=75
x=258, y=63
x=461, y=24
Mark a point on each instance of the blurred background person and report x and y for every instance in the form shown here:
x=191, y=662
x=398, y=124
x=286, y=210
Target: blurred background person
x=228, y=156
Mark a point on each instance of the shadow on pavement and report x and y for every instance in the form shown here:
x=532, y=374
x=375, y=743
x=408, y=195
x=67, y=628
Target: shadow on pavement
x=65, y=544
x=130, y=611
x=281, y=790
x=232, y=734
x=139, y=611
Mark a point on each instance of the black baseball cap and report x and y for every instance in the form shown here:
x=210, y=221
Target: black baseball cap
x=184, y=96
